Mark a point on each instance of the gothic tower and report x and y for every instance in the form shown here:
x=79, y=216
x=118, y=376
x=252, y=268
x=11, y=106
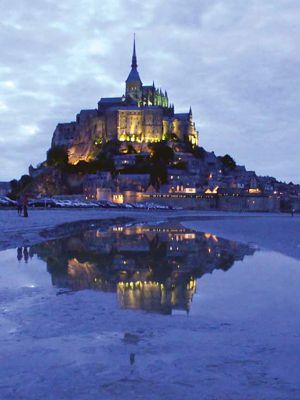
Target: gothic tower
x=133, y=82
x=192, y=132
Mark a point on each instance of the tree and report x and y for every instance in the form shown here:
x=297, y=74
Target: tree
x=131, y=149
x=198, y=152
x=111, y=147
x=21, y=186
x=161, y=156
x=57, y=157
x=161, y=152
x=14, y=185
x=228, y=162
x=25, y=181
x=83, y=167
x=14, y=189
x=158, y=174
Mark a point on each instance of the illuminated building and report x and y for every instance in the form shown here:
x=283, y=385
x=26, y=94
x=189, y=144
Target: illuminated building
x=142, y=115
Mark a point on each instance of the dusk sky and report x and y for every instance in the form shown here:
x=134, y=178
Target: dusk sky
x=235, y=62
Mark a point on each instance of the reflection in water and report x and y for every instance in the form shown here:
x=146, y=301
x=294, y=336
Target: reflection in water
x=150, y=267
x=23, y=252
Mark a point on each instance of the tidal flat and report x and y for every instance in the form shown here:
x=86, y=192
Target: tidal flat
x=156, y=306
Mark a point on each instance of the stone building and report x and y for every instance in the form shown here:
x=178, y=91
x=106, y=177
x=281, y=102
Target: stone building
x=144, y=114
x=93, y=183
x=136, y=182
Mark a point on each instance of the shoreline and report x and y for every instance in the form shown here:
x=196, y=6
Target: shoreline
x=41, y=225
x=279, y=235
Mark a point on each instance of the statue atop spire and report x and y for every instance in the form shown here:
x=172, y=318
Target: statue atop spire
x=134, y=60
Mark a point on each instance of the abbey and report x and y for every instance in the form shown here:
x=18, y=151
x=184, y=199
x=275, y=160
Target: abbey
x=142, y=115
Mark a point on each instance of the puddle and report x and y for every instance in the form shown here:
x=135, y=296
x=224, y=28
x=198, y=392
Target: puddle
x=151, y=267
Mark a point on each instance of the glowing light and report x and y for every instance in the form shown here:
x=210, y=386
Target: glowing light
x=118, y=198
x=190, y=190
x=215, y=239
x=254, y=190
x=212, y=191
x=117, y=228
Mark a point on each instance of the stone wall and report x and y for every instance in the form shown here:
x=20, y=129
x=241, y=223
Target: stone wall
x=211, y=202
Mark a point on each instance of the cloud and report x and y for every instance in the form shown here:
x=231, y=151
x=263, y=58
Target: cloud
x=29, y=130
x=8, y=84
x=3, y=106
x=235, y=62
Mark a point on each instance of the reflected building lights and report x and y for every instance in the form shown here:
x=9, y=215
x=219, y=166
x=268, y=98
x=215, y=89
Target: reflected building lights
x=154, y=268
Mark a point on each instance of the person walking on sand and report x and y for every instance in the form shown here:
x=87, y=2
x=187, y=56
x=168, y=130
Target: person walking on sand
x=19, y=206
x=25, y=206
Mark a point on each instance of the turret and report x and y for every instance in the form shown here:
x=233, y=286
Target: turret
x=192, y=132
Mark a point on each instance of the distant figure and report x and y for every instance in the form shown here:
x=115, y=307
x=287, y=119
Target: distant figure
x=31, y=252
x=292, y=212
x=132, y=357
x=19, y=206
x=26, y=254
x=25, y=206
x=19, y=254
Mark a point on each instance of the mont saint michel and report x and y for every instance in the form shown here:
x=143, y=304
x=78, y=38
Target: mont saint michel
x=149, y=200
x=137, y=149
x=142, y=115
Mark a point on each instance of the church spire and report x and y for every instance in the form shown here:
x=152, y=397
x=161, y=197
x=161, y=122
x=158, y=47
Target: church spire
x=134, y=84
x=134, y=61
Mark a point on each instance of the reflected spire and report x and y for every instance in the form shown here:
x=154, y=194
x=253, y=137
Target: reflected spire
x=149, y=266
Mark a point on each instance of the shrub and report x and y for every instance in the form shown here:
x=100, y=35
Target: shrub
x=228, y=162
x=57, y=157
x=161, y=152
